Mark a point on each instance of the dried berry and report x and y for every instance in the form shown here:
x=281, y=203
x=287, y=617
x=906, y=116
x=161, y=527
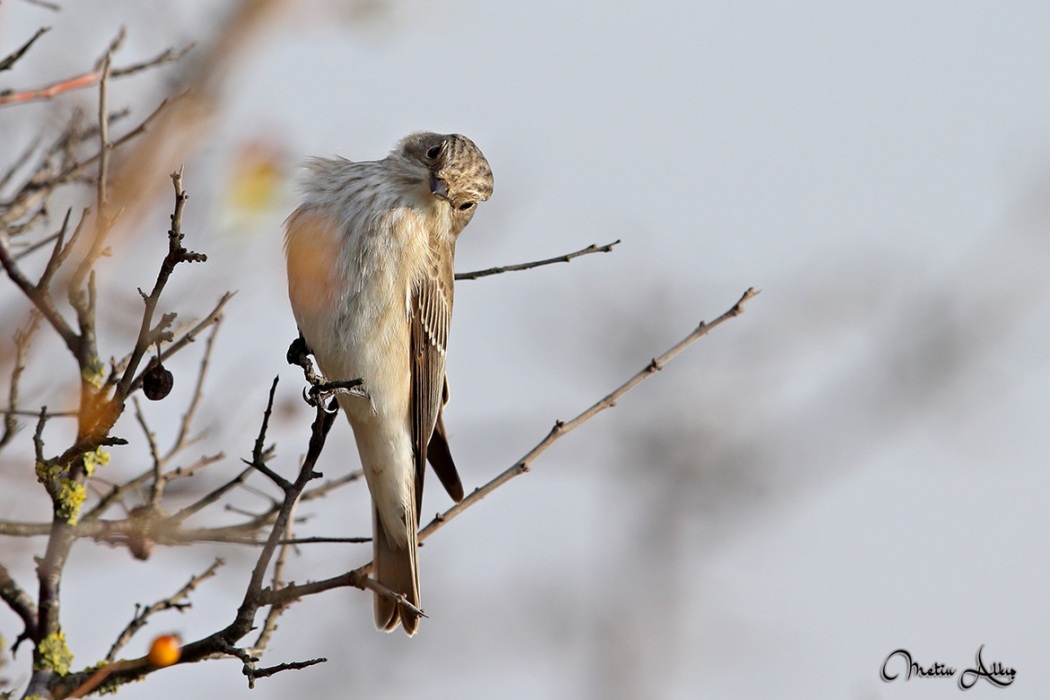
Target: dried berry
x=157, y=382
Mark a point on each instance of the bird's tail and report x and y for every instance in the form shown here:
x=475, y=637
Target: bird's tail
x=395, y=568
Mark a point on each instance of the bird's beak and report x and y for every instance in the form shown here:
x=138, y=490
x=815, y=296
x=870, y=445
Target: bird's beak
x=438, y=187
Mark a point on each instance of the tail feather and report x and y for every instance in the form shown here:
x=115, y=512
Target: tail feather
x=441, y=460
x=395, y=568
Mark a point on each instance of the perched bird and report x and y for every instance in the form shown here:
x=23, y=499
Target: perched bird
x=370, y=253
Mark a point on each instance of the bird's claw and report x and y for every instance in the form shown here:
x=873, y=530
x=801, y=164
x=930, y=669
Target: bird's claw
x=318, y=394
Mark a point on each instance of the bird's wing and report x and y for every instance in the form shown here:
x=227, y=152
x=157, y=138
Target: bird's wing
x=430, y=318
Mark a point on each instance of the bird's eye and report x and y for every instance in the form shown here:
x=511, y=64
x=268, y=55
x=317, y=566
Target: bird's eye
x=465, y=205
x=433, y=152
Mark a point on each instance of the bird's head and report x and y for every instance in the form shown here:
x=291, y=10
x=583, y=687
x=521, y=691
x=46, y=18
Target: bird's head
x=456, y=169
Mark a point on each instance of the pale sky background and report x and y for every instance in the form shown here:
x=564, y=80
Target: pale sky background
x=855, y=465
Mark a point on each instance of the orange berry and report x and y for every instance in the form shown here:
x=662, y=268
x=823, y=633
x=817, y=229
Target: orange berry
x=165, y=650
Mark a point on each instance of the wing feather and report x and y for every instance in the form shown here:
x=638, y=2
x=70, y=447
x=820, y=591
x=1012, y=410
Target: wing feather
x=431, y=313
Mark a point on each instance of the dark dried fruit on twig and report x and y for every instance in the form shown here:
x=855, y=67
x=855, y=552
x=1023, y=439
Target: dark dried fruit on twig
x=157, y=382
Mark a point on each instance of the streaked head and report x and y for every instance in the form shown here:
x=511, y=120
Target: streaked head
x=458, y=170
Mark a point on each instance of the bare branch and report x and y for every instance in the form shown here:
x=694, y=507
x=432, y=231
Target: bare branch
x=169, y=55
x=222, y=642
x=212, y=496
x=38, y=434
x=59, y=251
x=259, y=452
x=48, y=91
x=269, y=625
x=270, y=670
x=89, y=78
x=176, y=254
x=213, y=317
x=118, y=491
x=54, y=7
x=175, y=601
x=331, y=485
x=76, y=168
x=84, y=304
x=157, y=487
x=20, y=162
x=40, y=298
x=182, y=439
x=562, y=428
x=103, y=134
x=593, y=248
x=23, y=337
x=20, y=602
x=325, y=540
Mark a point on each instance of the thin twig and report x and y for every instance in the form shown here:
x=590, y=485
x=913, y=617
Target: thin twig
x=101, y=197
x=53, y=6
x=270, y=670
x=269, y=625
x=176, y=254
x=11, y=59
x=358, y=578
x=593, y=248
x=87, y=79
x=331, y=485
x=259, y=452
x=48, y=91
x=325, y=540
x=157, y=486
x=118, y=491
x=169, y=55
x=212, y=496
x=23, y=337
x=182, y=439
x=36, y=414
x=84, y=305
x=20, y=602
x=22, y=159
x=40, y=298
x=38, y=434
x=76, y=168
x=213, y=317
x=142, y=614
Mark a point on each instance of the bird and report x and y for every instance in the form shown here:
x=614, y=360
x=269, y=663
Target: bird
x=370, y=253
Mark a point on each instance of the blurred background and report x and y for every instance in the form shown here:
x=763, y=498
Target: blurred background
x=855, y=465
